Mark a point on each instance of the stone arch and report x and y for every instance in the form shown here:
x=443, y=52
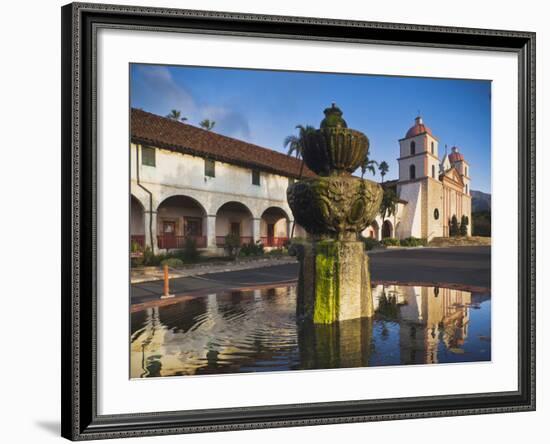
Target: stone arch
x=249, y=204
x=387, y=229
x=274, y=227
x=180, y=217
x=144, y=198
x=413, y=148
x=204, y=199
x=372, y=231
x=236, y=218
x=137, y=223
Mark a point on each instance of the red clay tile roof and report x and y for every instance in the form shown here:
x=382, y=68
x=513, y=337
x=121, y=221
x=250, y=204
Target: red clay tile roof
x=150, y=129
x=455, y=156
x=417, y=129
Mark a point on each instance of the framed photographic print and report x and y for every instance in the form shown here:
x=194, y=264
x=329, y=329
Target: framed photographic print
x=279, y=221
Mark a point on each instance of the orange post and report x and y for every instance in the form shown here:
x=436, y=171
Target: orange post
x=166, y=292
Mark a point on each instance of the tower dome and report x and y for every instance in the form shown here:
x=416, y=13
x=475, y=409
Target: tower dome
x=455, y=156
x=418, y=128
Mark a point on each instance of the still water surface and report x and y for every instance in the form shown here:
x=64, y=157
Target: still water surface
x=253, y=331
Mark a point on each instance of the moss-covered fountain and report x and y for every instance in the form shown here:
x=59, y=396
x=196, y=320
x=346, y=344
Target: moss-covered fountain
x=334, y=207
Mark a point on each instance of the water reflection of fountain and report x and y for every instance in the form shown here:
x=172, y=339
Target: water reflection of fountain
x=337, y=345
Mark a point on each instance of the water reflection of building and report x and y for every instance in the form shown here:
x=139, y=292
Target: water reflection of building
x=211, y=331
x=427, y=317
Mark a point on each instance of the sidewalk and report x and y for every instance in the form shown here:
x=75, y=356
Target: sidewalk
x=278, y=274
x=148, y=274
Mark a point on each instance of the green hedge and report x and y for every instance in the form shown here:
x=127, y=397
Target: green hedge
x=252, y=249
x=390, y=242
x=413, y=242
x=371, y=243
x=172, y=262
x=188, y=255
x=277, y=252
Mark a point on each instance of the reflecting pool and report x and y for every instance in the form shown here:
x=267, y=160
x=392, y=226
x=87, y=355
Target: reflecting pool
x=257, y=330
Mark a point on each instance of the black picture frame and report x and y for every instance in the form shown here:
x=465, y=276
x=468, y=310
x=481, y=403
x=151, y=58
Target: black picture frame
x=79, y=172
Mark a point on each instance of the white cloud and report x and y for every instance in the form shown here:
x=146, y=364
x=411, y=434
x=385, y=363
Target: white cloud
x=157, y=83
x=228, y=121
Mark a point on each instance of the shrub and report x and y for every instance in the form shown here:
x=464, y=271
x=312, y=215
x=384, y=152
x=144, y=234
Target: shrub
x=136, y=262
x=390, y=242
x=149, y=258
x=252, y=249
x=172, y=262
x=371, y=243
x=135, y=247
x=232, y=244
x=277, y=252
x=413, y=242
x=453, y=226
x=190, y=252
x=464, y=225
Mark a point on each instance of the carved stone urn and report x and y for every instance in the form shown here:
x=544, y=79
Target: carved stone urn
x=334, y=281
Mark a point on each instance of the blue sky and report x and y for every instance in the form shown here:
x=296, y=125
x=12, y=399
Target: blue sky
x=263, y=107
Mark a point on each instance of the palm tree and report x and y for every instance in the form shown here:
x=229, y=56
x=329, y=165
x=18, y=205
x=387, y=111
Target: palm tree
x=295, y=143
x=207, y=124
x=388, y=206
x=368, y=165
x=176, y=115
x=383, y=168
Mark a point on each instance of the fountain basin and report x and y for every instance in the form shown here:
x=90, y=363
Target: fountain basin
x=335, y=206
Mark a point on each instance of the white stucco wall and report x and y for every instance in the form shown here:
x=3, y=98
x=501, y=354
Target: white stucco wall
x=183, y=174
x=411, y=218
x=176, y=174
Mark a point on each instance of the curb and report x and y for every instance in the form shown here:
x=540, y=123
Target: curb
x=199, y=272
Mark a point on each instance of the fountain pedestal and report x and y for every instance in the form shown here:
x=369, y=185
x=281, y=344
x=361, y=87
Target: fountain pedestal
x=334, y=282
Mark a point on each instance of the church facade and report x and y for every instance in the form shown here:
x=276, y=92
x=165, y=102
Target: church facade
x=430, y=190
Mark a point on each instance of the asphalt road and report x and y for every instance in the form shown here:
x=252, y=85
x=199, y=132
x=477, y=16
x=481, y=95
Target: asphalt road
x=457, y=265
x=469, y=266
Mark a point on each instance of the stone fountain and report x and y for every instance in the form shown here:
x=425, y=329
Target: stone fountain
x=334, y=280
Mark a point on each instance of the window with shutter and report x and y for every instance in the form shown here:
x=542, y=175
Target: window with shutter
x=148, y=156
x=255, y=177
x=209, y=168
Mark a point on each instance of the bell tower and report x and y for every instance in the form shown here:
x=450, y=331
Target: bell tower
x=419, y=183
x=457, y=160
x=418, y=153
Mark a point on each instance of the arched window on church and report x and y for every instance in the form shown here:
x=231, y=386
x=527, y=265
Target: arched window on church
x=413, y=148
x=466, y=171
x=466, y=188
x=412, y=172
x=433, y=148
x=433, y=171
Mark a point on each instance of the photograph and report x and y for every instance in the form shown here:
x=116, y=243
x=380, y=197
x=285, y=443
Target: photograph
x=299, y=220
